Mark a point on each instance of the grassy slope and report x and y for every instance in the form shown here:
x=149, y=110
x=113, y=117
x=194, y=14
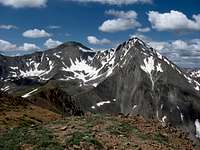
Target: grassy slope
x=94, y=132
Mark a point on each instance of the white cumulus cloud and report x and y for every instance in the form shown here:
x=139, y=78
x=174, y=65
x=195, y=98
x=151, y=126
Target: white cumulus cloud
x=7, y=27
x=52, y=43
x=123, y=21
x=54, y=27
x=147, y=29
x=121, y=14
x=6, y=45
x=36, y=33
x=28, y=47
x=24, y=3
x=174, y=21
x=96, y=41
x=114, y=2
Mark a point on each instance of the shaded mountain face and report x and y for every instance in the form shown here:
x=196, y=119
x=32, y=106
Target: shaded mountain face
x=131, y=79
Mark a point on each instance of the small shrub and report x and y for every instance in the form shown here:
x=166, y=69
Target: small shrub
x=160, y=138
x=24, y=122
x=78, y=137
x=122, y=129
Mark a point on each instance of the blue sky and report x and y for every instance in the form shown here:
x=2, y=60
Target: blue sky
x=173, y=28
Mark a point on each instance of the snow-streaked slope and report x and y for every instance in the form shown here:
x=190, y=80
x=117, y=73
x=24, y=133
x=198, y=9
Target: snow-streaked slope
x=195, y=74
x=150, y=68
x=80, y=69
x=86, y=71
x=34, y=70
x=91, y=67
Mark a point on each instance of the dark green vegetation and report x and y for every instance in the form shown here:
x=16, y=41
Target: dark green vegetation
x=36, y=137
x=78, y=137
x=160, y=138
x=128, y=130
x=122, y=129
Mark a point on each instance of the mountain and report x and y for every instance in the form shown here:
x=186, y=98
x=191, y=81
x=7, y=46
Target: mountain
x=131, y=79
x=194, y=73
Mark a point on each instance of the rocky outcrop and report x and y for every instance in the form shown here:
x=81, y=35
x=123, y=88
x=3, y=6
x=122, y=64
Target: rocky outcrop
x=58, y=101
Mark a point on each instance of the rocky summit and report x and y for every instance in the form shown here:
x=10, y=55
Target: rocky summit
x=132, y=79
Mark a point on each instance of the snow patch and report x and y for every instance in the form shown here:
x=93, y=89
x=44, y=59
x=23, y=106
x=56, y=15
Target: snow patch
x=35, y=71
x=13, y=74
x=188, y=78
x=164, y=119
x=93, y=107
x=167, y=61
x=159, y=68
x=85, y=50
x=102, y=103
x=29, y=94
x=81, y=69
x=14, y=68
x=181, y=115
x=194, y=82
x=135, y=106
x=42, y=57
x=195, y=74
x=95, y=84
x=197, y=88
x=6, y=88
x=159, y=55
x=58, y=56
x=161, y=107
x=178, y=70
x=197, y=125
x=149, y=67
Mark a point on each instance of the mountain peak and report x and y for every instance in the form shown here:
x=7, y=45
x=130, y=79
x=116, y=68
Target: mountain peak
x=137, y=40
